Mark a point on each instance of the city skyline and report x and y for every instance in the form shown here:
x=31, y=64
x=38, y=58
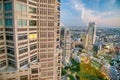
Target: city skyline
x=81, y=12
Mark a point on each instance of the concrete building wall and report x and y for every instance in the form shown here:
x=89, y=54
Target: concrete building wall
x=32, y=32
x=3, y=53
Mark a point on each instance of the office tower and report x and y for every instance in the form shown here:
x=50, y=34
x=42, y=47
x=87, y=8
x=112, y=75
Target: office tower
x=30, y=40
x=66, y=43
x=84, y=38
x=91, y=33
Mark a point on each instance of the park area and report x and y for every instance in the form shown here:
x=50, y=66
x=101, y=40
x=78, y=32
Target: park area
x=82, y=71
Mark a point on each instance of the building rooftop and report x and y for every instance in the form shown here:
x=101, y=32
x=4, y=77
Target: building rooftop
x=9, y=68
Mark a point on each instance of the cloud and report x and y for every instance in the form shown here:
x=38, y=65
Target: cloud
x=101, y=18
x=112, y=1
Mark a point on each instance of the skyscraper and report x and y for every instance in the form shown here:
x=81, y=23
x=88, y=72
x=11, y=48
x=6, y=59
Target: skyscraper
x=29, y=40
x=66, y=43
x=84, y=38
x=91, y=33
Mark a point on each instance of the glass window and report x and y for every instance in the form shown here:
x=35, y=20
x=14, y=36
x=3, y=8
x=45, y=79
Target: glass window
x=2, y=50
x=10, y=50
x=2, y=63
x=8, y=22
x=58, y=8
x=8, y=6
x=11, y=63
x=24, y=22
x=1, y=36
x=18, y=7
x=8, y=14
x=34, y=71
x=21, y=7
x=33, y=46
x=32, y=10
x=58, y=0
x=21, y=22
x=23, y=50
x=32, y=58
x=32, y=23
x=23, y=62
x=9, y=43
x=11, y=57
x=0, y=7
x=24, y=77
x=9, y=36
x=0, y=22
x=24, y=8
x=22, y=36
x=8, y=29
x=1, y=29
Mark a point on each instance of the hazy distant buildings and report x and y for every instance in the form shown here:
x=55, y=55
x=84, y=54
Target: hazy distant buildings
x=66, y=43
x=88, y=38
x=92, y=33
x=84, y=38
x=29, y=40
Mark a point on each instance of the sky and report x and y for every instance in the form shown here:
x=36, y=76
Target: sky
x=81, y=12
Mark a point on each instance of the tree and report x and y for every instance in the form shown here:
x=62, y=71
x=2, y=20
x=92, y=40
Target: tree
x=63, y=72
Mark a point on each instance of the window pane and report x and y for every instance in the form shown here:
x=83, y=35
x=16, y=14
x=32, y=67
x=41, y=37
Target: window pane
x=18, y=7
x=23, y=62
x=34, y=71
x=0, y=22
x=8, y=6
x=8, y=14
x=32, y=23
x=32, y=10
x=10, y=50
x=24, y=77
x=11, y=63
x=1, y=36
x=24, y=22
x=19, y=22
x=21, y=7
x=24, y=8
x=23, y=50
x=8, y=22
x=9, y=36
x=0, y=7
x=2, y=50
x=22, y=36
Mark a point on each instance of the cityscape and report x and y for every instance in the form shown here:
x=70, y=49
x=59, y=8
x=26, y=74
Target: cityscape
x=59, y=40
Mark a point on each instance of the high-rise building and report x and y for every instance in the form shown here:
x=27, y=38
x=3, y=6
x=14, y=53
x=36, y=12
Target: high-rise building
x=29, y=40
x=91, y=33
x=84, y=38
x=66, y=43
